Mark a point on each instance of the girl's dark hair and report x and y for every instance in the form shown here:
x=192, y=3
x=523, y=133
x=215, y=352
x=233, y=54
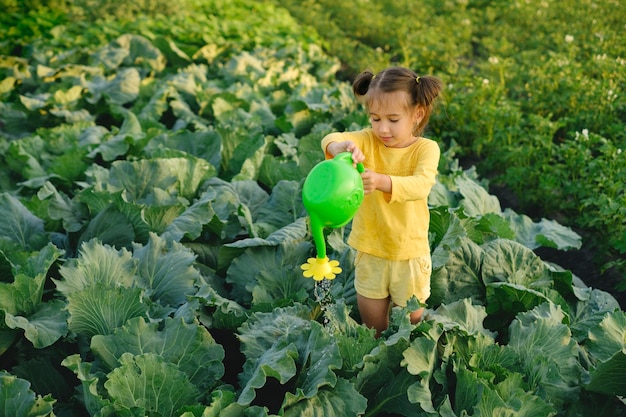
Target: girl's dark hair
x=422, y=90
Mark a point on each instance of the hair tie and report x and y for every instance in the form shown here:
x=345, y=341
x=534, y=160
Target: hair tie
x=373, y=76
x=417, y=79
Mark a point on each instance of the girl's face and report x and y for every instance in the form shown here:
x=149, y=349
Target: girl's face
x=392, y=120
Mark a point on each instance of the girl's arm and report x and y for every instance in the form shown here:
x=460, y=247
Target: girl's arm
x=418, y=185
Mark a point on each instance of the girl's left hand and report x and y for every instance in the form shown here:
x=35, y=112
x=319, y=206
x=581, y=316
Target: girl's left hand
x=369, y=181
x=373, y=181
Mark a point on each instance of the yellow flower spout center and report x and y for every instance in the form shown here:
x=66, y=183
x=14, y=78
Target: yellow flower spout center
x=318, y=269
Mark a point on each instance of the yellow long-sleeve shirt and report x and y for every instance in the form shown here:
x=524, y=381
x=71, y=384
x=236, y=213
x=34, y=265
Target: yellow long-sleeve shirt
x=393, y=225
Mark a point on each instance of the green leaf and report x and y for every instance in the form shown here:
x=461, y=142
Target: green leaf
x=607, y=347
x=130, y=50
x=261, y=330
x=61, y=207
x=420, y=360
x=509, y=261
x=476, y=200
x=118, y=145
x=457, y=274
x=18, y=400
x=342, y=400
x=290, y=234
x=188, y=345
x=166, y=270
x=478, y=396
x=19, y=225
x=463, y=315
x=45, y=326
x=285, y=344
x=223, y=313
x=547, y=233
x=190, y=222
x=141, y=179
x=24, y=294
x=201, y=144
x=23, y=157
x=124, y=87
x=284, y=206
x=590, y=309
x=111, y=228
x=279, y=362
x=149, y=384
x=97, y=264
x=100, y=309
x=548, y=353
x=263, y=274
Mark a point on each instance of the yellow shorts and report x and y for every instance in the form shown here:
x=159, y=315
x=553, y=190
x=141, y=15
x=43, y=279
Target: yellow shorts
x=381, y=278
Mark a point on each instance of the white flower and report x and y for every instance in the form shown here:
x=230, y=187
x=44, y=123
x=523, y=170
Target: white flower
x=582, y=136
x=569, y=38
x=493, y=60
x=485, y=81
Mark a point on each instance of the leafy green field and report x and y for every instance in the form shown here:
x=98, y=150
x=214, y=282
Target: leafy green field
x=150, y=176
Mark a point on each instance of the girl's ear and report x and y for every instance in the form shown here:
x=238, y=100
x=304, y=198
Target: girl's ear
x=418, y=114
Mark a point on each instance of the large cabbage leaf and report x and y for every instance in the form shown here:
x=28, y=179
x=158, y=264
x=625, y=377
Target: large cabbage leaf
x=381, y=377
x=22, y=304
x=149, y=384
x=287, y=346
x=548, y=353
x=19, y=226
x=188, y=345
x=100, y=309
x=142, y=178
x=456, y=272
x=166, y=271
x=97, y=263
x=102, y=290
x=264, y=274
x=607, y=346
x=18, y=400
x=506, y=398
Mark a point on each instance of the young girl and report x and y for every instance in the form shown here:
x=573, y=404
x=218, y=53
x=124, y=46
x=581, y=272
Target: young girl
x=390, y=229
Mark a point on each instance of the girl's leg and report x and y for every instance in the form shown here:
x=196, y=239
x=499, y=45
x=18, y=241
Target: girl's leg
x=374, y=312
x=416, y=315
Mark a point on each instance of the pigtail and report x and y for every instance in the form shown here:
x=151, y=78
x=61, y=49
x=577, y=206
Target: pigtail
x=361, y=84
x=427, y=89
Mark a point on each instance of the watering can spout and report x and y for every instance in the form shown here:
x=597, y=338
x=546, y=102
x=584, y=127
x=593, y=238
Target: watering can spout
x=332, y=193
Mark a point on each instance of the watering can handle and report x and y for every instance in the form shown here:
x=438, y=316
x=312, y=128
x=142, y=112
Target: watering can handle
x=360, y=167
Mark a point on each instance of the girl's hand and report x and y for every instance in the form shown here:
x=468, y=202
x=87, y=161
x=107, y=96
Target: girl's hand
x=346, y=146
x=373, y=181
x=369, y=181
x=357, y=155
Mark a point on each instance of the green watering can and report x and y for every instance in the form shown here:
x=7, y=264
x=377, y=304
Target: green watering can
x=332, y=193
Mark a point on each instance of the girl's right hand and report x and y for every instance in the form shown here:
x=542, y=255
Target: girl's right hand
x=357, y=155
